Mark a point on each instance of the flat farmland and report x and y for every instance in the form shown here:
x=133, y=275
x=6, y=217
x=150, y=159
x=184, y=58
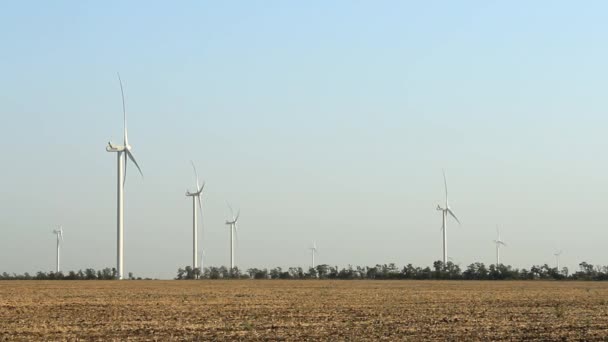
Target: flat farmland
x=303, y=310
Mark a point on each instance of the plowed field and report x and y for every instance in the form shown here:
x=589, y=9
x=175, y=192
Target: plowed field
x=303, y=310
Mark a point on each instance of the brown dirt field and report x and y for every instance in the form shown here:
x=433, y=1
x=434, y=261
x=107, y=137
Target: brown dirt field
x=302, y=310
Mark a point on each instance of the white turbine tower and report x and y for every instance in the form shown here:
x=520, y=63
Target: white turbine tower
x=445, y=211
x=196, y=197
x=59, y=233
x=498, y=243
x=313, y=251
x=123, y=153
x=557, y=255
x=233, y=232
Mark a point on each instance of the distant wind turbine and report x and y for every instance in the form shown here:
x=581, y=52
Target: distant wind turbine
x=233, y=232
x=59, y=233
x=445, y=211
x=123, y=153
x=557, y=255
x=196, y=197
x=498, y=243
x=313, y=251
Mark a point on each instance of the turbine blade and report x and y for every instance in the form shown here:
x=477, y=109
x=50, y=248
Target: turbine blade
x=238, y=213
x=445, y=183
x=231, y=211
x=124, y=178
x=124, y=110
x=200, y=221
x=236, y=234
x=200, y=208
x=195, y=175
x=134, y=162
x=453, y=215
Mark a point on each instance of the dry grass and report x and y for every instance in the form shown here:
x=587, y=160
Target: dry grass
x=303, y=310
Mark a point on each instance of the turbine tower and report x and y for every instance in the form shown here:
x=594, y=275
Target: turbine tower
x=557, y=255
x=498, y=243
x=233, y=232
x=445, y=211
x=59, y=233
x=313, y=251
x=123, y=153
x=196, y=198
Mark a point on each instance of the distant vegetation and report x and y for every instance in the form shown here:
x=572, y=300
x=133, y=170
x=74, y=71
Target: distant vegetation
x=88, y=274
x=449, y=271
x=439, y=271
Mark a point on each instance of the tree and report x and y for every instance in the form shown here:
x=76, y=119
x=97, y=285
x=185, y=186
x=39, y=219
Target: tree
x=180, y=273
x=322, y=271
x=189, y=272
x=89, y=274
x=312, y=273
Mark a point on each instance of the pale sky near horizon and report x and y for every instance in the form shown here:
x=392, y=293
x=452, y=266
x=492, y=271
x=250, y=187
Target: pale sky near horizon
x=326, y=121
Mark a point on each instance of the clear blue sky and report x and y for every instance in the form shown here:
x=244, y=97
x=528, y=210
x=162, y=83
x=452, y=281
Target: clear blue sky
x=320, y=120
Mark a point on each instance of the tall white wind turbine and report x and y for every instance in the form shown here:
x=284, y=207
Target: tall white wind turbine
x=498, y=243
x=313, y=251
x=233, y=231
x=196, y=198
x=557, y=255
x=445, y=211
x=59, y=233
x=123, y=153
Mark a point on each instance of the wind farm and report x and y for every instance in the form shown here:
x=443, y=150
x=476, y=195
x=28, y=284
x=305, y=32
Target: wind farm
x=406, y=171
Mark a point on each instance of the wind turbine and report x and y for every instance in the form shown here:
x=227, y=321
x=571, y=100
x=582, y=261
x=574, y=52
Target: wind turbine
x=123, y=153
x=59, y=233
x=196, y=197
x=498, y=243
x=557, y=255
x=313, y=251
x=233, y=232
x=445, y=211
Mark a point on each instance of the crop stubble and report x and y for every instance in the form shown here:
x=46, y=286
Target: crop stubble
x=300, y=310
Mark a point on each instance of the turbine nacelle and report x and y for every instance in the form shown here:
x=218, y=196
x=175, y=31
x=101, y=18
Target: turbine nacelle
x=114, y=148
x=198, y=193
x=234, y=218
x=59, y=233
x=199, y=188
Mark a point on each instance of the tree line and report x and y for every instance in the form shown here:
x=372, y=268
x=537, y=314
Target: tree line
x=87, y=274
x=439, y=271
